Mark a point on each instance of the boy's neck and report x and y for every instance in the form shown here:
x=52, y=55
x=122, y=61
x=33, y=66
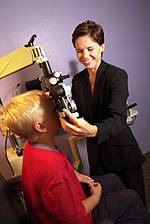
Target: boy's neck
x=45, y=142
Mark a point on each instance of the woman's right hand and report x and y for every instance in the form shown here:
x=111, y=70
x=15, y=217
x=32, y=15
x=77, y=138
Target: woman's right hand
x=77, y=126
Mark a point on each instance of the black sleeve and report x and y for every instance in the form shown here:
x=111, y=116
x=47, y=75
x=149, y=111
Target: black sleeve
x=116, y=108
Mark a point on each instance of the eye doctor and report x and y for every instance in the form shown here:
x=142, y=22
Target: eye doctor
x=100, y=92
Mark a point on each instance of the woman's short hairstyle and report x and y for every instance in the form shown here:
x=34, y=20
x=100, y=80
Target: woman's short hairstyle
x=89, y=28
x=20, y=113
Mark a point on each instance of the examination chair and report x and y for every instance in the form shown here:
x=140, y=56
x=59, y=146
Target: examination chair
x=12, y=210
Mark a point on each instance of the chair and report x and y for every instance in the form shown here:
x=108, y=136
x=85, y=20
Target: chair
x=12, y=210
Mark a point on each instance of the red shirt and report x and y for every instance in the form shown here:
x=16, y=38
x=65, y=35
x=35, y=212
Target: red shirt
x=52, y=191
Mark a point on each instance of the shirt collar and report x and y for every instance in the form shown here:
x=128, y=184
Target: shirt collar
x=55, y=148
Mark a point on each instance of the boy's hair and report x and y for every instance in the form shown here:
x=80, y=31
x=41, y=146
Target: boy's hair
x=20, y=113
x=89, y=28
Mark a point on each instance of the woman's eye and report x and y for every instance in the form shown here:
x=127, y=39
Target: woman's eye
x=90, y=49
x=78, y=51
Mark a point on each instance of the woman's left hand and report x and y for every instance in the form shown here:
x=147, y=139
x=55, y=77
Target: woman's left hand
x=84, y=178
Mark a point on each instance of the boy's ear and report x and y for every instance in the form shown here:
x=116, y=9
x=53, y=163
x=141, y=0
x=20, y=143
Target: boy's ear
x=40, y=127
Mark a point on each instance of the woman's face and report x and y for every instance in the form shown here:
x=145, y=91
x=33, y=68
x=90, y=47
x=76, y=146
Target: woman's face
x=88, y=52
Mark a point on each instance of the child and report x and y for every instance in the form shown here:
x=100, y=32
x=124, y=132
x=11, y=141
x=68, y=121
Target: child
x=52, y=189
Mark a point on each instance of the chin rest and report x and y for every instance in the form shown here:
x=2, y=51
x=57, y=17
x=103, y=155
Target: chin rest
x=12, y=210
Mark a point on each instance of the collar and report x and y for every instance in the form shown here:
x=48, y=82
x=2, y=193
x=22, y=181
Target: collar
x=102, y=67
x=55, y=148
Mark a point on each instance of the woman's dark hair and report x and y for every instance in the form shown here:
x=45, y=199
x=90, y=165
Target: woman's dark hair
x=89, y=28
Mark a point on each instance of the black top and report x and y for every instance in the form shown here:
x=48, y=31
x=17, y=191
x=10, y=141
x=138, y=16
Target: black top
x=106, y=108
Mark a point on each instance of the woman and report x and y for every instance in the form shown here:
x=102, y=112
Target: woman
x=100, y=92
